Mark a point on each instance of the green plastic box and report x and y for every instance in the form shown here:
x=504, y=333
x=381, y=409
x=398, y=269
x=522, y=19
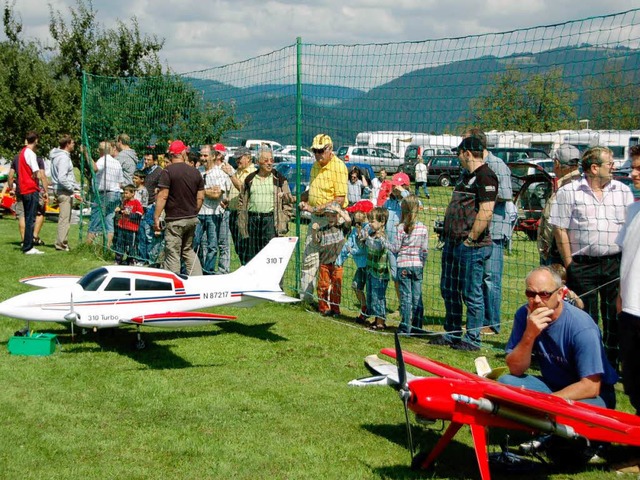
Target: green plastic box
x=38, y=344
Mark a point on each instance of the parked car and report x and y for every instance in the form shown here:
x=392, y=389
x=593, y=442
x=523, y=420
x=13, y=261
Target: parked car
x=412, y=153
x=443, y=170
x=517, y=154
x=532, y=187
x=376, y=157
x=288, y=154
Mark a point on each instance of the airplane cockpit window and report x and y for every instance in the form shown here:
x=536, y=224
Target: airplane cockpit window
x=118, y=284
x=143, y=284
x=92, y=280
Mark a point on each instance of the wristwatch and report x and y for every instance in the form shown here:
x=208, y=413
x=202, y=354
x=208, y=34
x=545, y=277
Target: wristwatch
x=470, y=242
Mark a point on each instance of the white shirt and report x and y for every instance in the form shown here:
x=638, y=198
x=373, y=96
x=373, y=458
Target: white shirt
x=32, y=160
x=109, y=175
x=215, y=178
x=629, y=241
x=592, y=224
x=421, y=172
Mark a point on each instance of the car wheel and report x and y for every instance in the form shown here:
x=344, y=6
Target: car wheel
x=444, y=181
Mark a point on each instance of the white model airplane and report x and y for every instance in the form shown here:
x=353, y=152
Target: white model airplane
x=112, y=296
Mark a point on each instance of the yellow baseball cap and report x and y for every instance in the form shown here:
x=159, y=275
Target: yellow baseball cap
x=321, y=141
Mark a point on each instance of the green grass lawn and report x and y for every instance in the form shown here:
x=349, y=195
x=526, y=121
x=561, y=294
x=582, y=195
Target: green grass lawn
x=265, y=396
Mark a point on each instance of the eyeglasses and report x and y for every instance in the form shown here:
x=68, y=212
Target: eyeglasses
x=543, y=295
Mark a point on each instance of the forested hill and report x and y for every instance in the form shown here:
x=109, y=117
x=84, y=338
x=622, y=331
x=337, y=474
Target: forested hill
x=434, y=99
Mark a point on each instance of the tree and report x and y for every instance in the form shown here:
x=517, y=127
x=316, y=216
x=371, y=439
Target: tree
x=612, y=100
x=30, y=98
x=177, y=110
x=529, y=103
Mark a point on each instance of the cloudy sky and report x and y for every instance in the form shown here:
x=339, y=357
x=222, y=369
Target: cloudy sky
x=206, y=33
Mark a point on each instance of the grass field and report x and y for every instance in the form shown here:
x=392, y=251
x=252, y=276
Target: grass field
x=265, y=396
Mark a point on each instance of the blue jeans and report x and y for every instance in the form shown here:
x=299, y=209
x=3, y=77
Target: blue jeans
x=377, y=296
x=461, y=281
x=410, y=283
x=536, y=384
x=105, y=208
x=424, y=187
x=492, y=285
x=146, y=234
x=216, y=246
x=30, y=203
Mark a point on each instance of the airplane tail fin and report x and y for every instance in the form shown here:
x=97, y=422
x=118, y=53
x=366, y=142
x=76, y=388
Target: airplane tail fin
x=266, y=269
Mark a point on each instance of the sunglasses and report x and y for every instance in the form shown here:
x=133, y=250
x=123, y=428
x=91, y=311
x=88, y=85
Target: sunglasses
x=543, y=295
x=318, y=151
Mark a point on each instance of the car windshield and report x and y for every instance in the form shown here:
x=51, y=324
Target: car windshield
x=342, y=151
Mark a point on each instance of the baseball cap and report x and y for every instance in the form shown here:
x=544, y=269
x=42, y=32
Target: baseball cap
x=400, y=179
x=364, y=206
x=177, y=147
x=471, y=144
x=567, y=155
x=241, y=152
x=333, y=207
x=320, y=141
x=218, y=147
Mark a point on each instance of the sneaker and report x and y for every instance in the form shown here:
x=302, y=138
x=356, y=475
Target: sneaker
x=37, y=242
x=62, y=248
x=441, y=340
x=465, y=347
x=33, y=251
x=487, y=331
x=327, y=313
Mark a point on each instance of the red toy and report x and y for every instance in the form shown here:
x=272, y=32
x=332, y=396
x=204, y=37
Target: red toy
x=464, y=398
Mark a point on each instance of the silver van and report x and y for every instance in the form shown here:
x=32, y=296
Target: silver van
x=378, y=158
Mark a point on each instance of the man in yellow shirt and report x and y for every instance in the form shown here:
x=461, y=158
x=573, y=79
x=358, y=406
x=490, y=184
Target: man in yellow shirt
x=327, y=184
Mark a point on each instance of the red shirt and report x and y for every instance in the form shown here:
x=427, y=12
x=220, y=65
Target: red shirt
x=128, y=208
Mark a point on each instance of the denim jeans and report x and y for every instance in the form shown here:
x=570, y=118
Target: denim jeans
x=461, y=281
x=30, y=203
x=215, y=228
x=424, y=187
x=377, y=296
x=107, y=209
x=492, y=285
x=529, y=382
x=146, y=234
x=410, y=283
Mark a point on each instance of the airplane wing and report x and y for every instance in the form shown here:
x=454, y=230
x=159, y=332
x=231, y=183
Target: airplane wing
x=178, y=319
x=385, y=373
x=48, y=281
x=278, y=297
x=594, y=423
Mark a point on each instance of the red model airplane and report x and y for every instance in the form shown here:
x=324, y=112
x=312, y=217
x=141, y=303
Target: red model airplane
x=465, y=398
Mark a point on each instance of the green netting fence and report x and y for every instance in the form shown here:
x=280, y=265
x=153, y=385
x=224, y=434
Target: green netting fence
x=530, y=88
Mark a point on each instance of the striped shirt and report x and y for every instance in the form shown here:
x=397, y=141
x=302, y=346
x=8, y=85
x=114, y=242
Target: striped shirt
x=411, y=249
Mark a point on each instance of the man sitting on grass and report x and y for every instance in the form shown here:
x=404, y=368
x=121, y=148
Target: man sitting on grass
x=565, y=341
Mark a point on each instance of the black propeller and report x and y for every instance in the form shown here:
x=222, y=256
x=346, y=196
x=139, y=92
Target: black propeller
x=405, y=393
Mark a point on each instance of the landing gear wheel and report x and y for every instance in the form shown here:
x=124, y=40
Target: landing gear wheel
x=140, y=345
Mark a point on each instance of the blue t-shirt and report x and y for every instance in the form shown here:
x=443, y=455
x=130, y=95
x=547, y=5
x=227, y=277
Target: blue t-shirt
x=568, y=350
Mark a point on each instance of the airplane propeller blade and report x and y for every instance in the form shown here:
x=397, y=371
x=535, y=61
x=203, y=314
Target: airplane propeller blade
x=404, y=392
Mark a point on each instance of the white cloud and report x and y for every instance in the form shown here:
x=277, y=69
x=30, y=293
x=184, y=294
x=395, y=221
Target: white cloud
x=210, y=33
